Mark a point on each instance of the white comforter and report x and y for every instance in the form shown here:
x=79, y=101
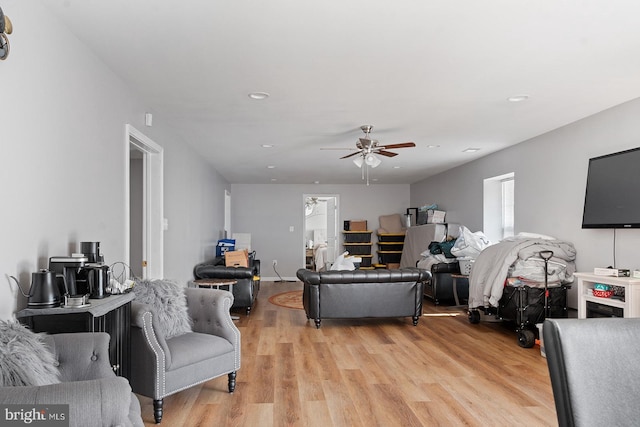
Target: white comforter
x=510, y=258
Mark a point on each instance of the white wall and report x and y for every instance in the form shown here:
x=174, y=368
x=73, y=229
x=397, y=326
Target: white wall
x=267, y=211
x=62, y=154
x=550, y=178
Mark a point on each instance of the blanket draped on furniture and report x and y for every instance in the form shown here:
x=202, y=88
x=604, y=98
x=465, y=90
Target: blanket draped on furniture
x=363, y=293
x=492, y=266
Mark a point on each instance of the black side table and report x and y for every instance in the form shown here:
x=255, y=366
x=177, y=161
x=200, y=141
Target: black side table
x=111, y=315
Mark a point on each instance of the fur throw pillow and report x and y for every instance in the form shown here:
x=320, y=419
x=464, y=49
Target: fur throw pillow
x=25, y=360
x=169, y=303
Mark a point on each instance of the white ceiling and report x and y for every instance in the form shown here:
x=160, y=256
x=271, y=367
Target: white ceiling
x=437, y=73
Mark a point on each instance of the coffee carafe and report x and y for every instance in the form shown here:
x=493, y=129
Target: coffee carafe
x=70, y=274
x=98, y=277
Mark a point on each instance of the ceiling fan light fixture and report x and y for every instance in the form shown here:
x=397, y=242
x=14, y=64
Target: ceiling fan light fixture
x=358, y=161
x=371, y=160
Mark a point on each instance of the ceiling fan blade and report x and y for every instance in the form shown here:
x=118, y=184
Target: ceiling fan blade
x=386, y=153
x=350, y=155
x=401, y=145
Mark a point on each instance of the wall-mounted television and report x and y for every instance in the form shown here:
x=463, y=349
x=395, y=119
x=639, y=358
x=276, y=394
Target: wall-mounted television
x=612, y=198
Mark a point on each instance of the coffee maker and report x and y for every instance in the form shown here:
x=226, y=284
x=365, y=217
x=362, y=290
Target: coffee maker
x=92, y=251
x=71, y=276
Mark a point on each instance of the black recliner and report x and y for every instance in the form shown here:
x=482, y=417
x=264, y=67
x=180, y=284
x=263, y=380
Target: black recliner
x=440, y=287
x=245, y=290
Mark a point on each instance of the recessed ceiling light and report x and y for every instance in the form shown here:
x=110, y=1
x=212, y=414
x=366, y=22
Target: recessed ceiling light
x=271, y=167
x=258, y=95
x=518, y=98
x=396, y=167
x=273, y=179
x=470, y=150
x=316, y=182
x=433, y=146
x=266, y=145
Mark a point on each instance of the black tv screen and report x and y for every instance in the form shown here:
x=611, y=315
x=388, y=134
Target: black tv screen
x=612, y=198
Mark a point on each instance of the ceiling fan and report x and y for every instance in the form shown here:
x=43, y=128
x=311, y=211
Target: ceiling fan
x=367, y=145
x=367, y=148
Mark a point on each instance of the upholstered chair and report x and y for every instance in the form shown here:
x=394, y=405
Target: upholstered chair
x=166, y=360
x=594, y=370
x=83, y=379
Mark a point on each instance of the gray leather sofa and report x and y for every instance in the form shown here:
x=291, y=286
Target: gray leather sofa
x=363, y=293
x=594, y=370
x=95, y=395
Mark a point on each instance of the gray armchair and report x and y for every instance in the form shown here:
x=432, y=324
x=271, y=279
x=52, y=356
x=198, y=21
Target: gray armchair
x=95, y=395
x=594, y=370
x=161, y=367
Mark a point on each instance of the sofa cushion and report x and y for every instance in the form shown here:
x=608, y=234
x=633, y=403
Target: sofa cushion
x=189, y=349
x=168, y=301
x=25, y=360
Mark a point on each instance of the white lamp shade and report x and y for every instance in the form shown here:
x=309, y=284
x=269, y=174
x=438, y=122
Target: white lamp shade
x=372, y=160
x=358, y=161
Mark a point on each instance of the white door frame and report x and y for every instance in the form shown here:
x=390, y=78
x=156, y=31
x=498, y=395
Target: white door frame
x=153, y=214
x=332, y=229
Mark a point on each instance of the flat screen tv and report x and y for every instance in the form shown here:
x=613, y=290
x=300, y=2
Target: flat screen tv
x=612, y=198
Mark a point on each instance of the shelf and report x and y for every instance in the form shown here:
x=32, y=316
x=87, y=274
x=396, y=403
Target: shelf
x=606, y=301
x=630, y=305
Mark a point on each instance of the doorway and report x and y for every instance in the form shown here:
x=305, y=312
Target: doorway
x=321, y=218
x=145, y=223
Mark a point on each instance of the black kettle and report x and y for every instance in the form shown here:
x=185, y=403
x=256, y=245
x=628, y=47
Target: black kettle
x=98, y=280
x=44, y=292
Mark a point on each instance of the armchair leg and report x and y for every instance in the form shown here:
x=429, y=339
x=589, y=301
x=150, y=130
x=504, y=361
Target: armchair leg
x=157, y=410
x=248, y=310
x=317, y=322
x=232, y=382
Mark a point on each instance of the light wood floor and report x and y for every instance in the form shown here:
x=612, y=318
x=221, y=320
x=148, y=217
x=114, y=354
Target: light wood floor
x=444, y=371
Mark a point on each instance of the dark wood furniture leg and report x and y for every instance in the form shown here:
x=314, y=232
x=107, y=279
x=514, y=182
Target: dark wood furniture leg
x=232, y=382
x=157, y=410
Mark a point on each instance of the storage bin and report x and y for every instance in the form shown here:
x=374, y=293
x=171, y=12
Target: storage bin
x=390, y=246
x=225, y=245
x=366, y=261
x=391, y=237
x=386, y=257
x=358, y=248
x=357, y=236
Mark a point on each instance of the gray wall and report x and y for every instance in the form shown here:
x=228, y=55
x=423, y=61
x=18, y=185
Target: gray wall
x=267, y=211
x=62, y=154
x=550, y=178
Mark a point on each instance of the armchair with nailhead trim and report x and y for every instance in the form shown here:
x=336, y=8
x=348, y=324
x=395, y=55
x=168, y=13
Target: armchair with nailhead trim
x=161, y=367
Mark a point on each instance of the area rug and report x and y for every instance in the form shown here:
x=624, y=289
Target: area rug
x=291, y=299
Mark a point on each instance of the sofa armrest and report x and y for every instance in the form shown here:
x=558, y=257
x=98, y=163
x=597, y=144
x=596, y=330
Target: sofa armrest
x=98, y=402
x=81, y=356
x=144, y=318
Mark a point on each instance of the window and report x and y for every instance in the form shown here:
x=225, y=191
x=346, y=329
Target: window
x=499, y=207
x=508, y=185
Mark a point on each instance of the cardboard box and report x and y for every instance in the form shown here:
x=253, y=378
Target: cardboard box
x=358, y=225
x=236, y=258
